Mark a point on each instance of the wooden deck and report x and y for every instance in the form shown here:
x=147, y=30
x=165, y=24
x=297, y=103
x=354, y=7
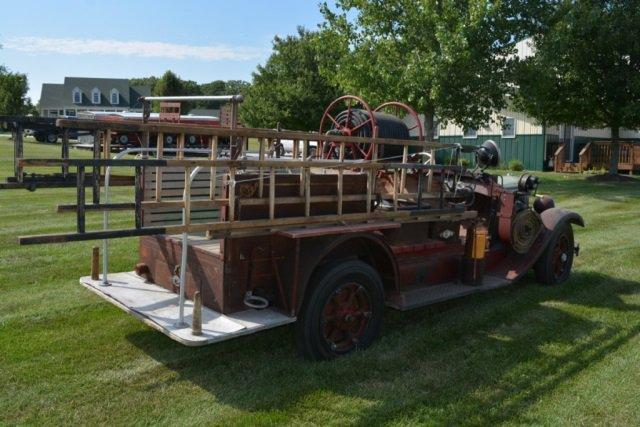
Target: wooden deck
x=597, y=155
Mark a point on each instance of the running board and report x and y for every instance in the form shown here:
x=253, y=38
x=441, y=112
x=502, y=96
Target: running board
x=432, y=294
x=158, y=308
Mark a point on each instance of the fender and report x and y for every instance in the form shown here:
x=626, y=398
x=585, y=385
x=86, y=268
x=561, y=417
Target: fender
x=516, y=265
x=315, y=251
x=555, y=217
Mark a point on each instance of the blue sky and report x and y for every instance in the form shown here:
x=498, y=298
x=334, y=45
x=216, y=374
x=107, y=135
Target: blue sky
x=199, y=40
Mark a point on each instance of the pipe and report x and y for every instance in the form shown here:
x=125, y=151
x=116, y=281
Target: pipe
x=232, y=98
x=186, y=194
x=105, y=215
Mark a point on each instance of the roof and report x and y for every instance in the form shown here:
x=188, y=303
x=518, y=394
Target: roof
x=61, y=95
x=52, y=95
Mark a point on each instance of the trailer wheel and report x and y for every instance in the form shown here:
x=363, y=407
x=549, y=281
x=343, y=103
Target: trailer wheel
x=343, y=312
x=52, y=138
x=39, y=137
x=123, y=139
x=554, y=266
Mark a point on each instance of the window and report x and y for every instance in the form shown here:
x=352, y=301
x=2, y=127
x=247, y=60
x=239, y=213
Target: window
x=470, y=133
x=77, y=96
x=95, y=96
x=115, y=97
x=509, y=127
x=70, y=112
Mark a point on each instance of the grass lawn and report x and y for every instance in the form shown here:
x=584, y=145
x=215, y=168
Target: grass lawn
x=526, y=354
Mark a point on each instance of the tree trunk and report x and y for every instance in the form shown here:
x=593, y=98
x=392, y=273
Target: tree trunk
x=615, y=150
x=429, y=121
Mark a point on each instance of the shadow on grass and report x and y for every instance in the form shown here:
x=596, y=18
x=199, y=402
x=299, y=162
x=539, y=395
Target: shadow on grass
x=483, y=359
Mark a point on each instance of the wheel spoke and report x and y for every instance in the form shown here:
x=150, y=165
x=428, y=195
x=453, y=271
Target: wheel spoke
x=360, y=125
x=334, y=121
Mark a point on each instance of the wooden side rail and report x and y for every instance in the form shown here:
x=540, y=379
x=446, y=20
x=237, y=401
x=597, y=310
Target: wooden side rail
x=268, y=134
x=256, y=227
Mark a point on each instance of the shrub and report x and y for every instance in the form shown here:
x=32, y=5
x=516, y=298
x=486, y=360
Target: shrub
x=516, y=165
x=465, y=163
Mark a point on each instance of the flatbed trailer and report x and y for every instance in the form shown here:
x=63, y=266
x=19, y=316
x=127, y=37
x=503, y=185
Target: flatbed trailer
x=232, y=246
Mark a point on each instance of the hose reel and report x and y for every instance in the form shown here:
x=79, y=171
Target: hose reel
x=359, y=120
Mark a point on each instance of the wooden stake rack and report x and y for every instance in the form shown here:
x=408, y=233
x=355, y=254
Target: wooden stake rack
x=228, y=171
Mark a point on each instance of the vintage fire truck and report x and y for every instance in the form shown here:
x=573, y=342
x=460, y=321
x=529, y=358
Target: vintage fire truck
x=324, y=238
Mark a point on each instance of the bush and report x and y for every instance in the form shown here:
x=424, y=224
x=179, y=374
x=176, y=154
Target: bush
x=516, y=165
x=465, y=163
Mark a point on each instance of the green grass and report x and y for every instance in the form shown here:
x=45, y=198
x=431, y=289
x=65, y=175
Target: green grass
x=523, y=355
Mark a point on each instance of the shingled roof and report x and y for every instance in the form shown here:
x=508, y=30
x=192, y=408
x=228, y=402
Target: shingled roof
x=59, y=96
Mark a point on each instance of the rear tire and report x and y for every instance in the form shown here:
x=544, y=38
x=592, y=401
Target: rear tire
x=554, y=266
x=342, y=312
x=52, y=138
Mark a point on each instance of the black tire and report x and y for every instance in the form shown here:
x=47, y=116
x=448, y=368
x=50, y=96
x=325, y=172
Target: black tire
x=52, y=138
x=554, y=265
x=123, y=139
x=168, y=141
x=342, y=312
x=39, y=137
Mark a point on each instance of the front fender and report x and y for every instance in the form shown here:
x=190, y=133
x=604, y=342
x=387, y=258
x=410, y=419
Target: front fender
x=515, y=265
x=555, y=217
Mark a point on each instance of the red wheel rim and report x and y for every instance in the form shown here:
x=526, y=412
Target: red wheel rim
x=396, y=108
x=345, y=317
x=561, y=254
x=330, y=125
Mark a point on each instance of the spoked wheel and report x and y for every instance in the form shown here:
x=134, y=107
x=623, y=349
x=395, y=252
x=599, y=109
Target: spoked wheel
x=554, y=266
x=405, y=113
x=343, y=311
x=348, y=116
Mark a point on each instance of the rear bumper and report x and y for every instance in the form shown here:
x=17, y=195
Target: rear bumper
x=158, y=308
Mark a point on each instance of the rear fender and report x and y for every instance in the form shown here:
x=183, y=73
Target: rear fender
x=315, y=252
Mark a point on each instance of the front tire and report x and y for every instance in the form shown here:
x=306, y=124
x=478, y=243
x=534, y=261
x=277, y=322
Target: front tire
x=342, y=312
x=52, y=138
x=554, y=266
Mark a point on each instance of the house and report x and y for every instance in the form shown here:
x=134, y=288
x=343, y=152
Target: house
x=78, y=94
x=521, y=137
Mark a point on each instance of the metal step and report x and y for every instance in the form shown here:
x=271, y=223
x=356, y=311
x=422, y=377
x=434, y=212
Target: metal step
x=420, y=296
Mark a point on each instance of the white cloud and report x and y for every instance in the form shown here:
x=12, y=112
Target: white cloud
x=76, y=46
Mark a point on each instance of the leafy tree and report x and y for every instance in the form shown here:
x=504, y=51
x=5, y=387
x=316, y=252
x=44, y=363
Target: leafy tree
x=169, y=85
x=586, y=68
x=289, y=88
x=13, y=93
x=444, y=57
x=150, y=81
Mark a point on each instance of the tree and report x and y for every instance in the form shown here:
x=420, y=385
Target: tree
x=13, y=93
x=289, y=88
x=444, y=57
x=144, y=81
x=168, y=85
x=586, y=68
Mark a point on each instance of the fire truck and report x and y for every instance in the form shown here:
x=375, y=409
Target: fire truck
x=235, y=245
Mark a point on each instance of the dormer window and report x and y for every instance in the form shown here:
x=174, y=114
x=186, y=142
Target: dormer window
x=115, y=97
x=77, y=96
x=95, y=96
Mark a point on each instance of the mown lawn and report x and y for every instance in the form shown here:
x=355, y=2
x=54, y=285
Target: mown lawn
x=523, y=355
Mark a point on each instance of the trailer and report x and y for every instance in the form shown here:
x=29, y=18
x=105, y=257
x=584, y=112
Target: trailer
x=104, y=142
x=232, y=246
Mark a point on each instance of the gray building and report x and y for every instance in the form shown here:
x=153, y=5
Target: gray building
x=78, y=94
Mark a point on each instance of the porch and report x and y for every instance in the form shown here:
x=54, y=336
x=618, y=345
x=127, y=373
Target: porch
x=597, y=155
